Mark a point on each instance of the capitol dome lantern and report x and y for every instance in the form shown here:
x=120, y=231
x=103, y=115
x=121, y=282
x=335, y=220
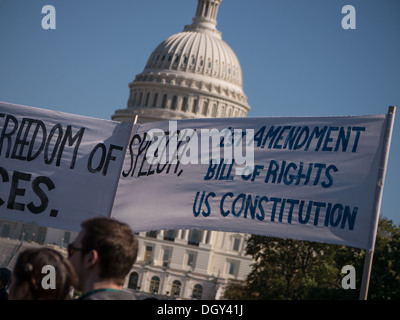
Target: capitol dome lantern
x=191, y=74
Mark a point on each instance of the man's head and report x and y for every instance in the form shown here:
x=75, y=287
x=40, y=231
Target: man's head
x=104, y=246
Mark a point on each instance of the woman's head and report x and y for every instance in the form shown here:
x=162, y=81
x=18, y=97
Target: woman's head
x=41, y=274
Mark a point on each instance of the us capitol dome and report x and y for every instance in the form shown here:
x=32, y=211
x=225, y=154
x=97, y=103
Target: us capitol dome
x=191, y=74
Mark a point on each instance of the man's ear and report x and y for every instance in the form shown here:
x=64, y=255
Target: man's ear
x=92, y=257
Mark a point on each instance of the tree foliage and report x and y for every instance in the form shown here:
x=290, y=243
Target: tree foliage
x=293, y=269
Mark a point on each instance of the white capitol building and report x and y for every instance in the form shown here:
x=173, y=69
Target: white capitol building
x=191, y=74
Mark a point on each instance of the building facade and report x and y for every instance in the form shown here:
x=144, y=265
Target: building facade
x=35, y=233
x=188, y=264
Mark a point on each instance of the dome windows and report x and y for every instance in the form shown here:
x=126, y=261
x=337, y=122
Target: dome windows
x=205, y=108
x=139, y=102
x=214, y=111
x=174, y=101
x=201, y=99
x=195, y=106
x=206, y=10
x=184, y=104
x=131, y=99
x=164, y=101
x=155, y=100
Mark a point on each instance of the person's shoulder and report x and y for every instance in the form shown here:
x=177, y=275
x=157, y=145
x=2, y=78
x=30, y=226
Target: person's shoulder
x=108, y=294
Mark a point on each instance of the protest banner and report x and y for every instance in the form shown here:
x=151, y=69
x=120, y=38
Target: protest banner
x=57, y=169
x=306, y=178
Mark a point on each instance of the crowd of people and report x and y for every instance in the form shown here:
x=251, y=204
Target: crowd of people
x=98, y=261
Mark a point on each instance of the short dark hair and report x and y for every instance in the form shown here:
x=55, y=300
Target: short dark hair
x=28, y=268
x=115, y=244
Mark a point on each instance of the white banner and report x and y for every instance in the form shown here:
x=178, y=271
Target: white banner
x=308, y=178
x=314, y=178
x=57, y=169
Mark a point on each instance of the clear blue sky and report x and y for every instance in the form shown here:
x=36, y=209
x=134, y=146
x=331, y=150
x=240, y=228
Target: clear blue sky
x=296, y=58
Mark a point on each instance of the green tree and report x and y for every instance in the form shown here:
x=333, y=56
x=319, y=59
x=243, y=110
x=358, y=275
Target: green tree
x=385, y=275
x=293, y=269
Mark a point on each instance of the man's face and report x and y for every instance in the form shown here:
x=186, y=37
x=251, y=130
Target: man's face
x=77, y=259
